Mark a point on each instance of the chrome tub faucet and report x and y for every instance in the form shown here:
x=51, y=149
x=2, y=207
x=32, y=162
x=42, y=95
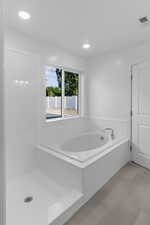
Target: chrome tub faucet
x=112, y=132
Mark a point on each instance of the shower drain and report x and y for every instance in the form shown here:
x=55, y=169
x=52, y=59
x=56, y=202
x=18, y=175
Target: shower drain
x=28, y=199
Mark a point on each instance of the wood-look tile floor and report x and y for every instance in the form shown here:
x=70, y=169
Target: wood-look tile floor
x=124, y=200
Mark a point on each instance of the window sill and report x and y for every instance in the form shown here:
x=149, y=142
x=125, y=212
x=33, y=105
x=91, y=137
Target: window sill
x=63, y=118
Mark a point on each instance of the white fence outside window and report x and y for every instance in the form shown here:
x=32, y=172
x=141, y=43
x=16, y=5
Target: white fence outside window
x=70, y=102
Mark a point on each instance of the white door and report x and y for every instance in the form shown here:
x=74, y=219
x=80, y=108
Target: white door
x=141, y=114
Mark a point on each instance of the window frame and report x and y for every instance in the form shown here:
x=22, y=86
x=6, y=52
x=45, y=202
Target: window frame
x=63, y=117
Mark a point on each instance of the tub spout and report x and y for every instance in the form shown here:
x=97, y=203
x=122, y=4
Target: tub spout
x=112, y=132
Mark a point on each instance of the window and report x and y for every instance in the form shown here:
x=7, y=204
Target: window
x=53, y=93
x=71, y=96
x=62, y=93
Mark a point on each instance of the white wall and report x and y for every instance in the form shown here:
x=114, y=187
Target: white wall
x=21, y=110
x=20, y=157
x=2, y=158
x=109, y=82
x=48, y=53
x=109, y=87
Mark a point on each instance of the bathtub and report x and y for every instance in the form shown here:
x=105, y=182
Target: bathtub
x=84, y=162
x=85, y=146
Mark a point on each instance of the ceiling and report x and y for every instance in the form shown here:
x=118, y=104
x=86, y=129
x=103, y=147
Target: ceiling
x=106, y=24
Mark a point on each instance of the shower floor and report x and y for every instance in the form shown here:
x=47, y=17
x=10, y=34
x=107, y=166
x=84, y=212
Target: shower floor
x=49, y=200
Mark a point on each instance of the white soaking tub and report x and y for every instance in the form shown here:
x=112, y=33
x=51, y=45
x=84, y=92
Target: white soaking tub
x=84, y=146
x=85, y=142
x=84, y=162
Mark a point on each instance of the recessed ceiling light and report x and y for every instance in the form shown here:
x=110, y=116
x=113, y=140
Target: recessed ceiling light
x=24, y=15
x=86, y=46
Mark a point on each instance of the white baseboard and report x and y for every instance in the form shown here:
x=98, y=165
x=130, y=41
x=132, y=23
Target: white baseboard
x=141, y=159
